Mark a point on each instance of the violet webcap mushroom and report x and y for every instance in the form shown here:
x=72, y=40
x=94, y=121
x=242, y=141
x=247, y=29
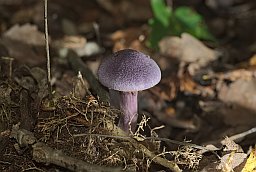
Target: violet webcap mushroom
x=125, y=73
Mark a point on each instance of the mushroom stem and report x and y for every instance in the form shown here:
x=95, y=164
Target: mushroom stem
x=129, y=107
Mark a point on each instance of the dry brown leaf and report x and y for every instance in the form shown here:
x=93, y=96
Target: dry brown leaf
x=80, y=87
x=188, y=49
x=252, y=61
x=171, y=46
x=240, y=100
x=128, y=38
x=26, y=33
x=24, y=53
x=230, y=145
x=231, y=161
x=241, y=92
x=70, y=42
x=167, y=89
x=188, y=85
x=236, y=75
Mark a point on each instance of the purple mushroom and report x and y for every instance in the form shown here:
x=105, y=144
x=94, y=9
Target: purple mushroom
x=125, y=73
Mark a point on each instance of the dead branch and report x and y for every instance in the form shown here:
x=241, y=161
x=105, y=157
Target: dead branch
x=45, y=154
x=78, y=65
x=27, y=121
x=241, y=135
x=6, y=67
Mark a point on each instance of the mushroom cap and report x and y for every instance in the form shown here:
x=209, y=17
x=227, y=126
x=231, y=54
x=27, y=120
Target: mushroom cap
x=129, y=70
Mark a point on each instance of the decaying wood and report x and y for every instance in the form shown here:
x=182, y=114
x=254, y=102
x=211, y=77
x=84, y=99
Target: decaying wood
x=26, y=120
x=78, y=65
x=6, y=67
x=45, y=154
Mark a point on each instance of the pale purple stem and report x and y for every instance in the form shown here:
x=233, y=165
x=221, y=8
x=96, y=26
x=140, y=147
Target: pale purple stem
x=127, y=102
x=129, y=107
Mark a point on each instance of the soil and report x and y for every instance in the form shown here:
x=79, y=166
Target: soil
x=201, y=112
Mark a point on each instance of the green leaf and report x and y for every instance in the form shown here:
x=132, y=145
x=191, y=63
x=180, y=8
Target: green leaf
x=161, y=12
x=190, y=21
x=187, y=17
x=166, y=22
x=160, y=23
x=158, y=31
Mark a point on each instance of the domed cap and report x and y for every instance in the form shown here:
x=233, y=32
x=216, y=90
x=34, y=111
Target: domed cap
x=129, y=70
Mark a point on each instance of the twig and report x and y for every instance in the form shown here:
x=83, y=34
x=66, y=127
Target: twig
x=33, y=169
x=78, y=65
x=164, y=162
x=45, y=154
x=241, y=135
x=47, y=50
x=149, y=138
x=4, y=162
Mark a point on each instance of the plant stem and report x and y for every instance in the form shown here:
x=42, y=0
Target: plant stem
x=47, y=50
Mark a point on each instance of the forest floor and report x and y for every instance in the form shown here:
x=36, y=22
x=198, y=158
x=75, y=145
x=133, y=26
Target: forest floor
x=200, y=117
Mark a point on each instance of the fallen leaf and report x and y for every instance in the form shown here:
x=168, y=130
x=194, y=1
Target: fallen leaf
x=252, y=61
x=236, y=75
x=171, y=46
x=231, y=161
x=188, y=49
x=78, y=44
x=24, y=53
x=80, y=87
x=230, y=145
x=89, y=49
x=26, y=33
x=70, y=42
x=241, y=92
x=250, y=165
x=128, y=38
x=167, y=89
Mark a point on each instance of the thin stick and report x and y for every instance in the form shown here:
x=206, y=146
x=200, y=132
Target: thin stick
x=44, y=154
x=148, y=138
x=242, y=135
x=47, y=50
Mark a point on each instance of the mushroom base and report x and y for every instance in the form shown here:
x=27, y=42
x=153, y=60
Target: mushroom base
x=129, y=107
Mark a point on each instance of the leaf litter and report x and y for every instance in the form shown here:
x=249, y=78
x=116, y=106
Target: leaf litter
x=199, y=94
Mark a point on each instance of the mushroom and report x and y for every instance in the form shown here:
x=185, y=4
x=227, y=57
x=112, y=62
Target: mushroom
x=125, y=73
